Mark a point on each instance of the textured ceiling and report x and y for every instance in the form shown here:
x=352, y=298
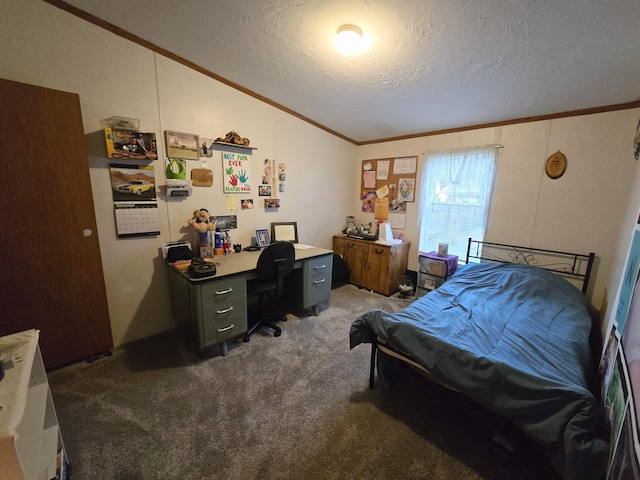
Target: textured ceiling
x=432, y=65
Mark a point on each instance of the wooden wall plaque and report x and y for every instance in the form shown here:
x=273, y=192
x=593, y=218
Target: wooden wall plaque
x=556, y=165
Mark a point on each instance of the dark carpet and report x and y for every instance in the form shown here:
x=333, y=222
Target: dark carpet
x=293, y=407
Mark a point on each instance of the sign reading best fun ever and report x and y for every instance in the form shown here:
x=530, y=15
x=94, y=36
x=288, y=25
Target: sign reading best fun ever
x=235, y=170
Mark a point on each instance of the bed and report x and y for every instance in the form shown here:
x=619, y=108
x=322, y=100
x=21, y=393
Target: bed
x=512, y=330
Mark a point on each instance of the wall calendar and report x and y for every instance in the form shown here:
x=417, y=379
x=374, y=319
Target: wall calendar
x=137, y=219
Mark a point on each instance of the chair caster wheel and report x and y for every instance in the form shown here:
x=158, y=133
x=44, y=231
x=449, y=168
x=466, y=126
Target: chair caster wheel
x=277, y=333
x=501, y=454
x=246, y=338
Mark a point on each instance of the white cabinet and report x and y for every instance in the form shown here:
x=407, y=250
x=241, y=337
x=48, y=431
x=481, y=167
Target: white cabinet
x=30, y=440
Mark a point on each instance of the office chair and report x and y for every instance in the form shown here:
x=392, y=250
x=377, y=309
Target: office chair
x=275, y=262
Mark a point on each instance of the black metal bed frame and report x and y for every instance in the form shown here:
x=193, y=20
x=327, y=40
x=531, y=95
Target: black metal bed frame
x=572, y=265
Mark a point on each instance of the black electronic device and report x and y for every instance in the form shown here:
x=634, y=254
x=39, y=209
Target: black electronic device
x=251, y=248
x=201, y=268
x=362, y=236
x=177, y=251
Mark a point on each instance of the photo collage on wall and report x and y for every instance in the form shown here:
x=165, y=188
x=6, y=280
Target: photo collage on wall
x=236, y=168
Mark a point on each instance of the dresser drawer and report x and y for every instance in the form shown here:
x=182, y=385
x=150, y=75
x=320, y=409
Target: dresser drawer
x=432, y=266
x=429, y=282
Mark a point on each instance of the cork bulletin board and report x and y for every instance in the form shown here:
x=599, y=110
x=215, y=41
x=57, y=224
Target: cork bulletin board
x=387, y=184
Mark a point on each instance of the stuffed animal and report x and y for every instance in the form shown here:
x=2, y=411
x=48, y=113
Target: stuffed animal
x=202, y=223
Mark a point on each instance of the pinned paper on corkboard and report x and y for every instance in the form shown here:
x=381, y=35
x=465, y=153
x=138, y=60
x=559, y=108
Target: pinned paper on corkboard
x=389, y=172
x=382, y=208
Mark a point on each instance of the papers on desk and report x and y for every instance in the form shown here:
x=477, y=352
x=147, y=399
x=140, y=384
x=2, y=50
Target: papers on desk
x=391, y=241
x=301, y=246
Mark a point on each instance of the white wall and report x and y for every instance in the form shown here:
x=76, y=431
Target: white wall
x=45, y=46
x=590, y=208
x=593, y=207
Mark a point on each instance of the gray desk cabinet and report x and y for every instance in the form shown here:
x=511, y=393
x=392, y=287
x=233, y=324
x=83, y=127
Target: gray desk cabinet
x=213, y=311
x=310, y=285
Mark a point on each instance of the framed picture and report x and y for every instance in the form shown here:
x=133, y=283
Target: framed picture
x=284, y=232
x=264, y=190
x=205, y=147
x=262, y=238
x=271, y=203
x=182, y=145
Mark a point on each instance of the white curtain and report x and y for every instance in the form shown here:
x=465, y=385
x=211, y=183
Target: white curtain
x=455, y=197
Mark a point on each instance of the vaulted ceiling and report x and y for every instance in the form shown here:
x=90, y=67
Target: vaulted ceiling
x=431, y=66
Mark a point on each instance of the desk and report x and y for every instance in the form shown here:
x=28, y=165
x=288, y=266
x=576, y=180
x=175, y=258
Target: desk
x=214, y=309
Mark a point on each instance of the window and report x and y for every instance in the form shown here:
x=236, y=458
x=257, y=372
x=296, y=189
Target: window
x=455, y=197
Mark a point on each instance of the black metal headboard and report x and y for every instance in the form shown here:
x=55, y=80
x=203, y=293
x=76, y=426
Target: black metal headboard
x=572, y=265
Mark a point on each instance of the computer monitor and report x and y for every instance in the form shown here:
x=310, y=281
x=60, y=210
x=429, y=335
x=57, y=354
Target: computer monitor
x=284, y=232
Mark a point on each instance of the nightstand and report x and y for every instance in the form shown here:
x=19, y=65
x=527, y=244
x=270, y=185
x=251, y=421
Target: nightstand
x=433, y=271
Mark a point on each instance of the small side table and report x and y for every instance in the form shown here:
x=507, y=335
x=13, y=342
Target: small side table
x=433, y=271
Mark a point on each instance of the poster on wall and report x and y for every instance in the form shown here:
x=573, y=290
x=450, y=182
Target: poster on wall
x=134, y=199
x=235, y=171
x=625, y=460
x=132, y=183
x=615, y=401
x=369, y=202
x=619, y=373
x=406, y=187
x=630, y=351
x=282, y=175
x=268, y=178
x=629, y=281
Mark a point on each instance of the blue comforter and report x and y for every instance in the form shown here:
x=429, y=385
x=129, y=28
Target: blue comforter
x=515, y=338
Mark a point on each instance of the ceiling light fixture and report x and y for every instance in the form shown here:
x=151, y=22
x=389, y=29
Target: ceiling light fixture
x=349, y=40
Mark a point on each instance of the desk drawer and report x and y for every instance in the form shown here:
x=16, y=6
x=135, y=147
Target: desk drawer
x=217, y=332
x=319, y=266
x=221, y=291
x=318, y=281
x=221, y=312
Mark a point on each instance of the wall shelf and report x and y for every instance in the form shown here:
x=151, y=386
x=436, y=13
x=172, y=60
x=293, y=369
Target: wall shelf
x=232, y=147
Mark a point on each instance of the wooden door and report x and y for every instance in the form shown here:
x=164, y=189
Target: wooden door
x=355, y=255
x=52, y=277
x=377, y=278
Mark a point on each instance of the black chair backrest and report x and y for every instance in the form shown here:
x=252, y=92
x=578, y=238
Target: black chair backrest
x=276, y=261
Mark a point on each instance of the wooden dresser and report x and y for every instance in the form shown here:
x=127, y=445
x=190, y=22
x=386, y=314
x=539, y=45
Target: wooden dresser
x=373, y=266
